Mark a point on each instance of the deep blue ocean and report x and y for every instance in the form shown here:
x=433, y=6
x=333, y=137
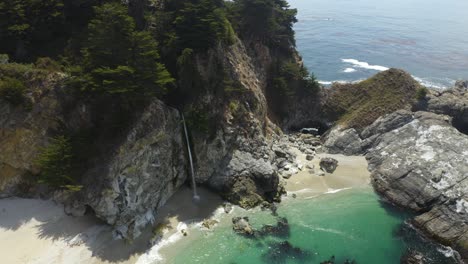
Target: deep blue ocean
x=350, y=40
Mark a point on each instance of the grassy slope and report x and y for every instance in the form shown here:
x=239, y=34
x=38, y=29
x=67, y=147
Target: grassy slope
x=360, y=104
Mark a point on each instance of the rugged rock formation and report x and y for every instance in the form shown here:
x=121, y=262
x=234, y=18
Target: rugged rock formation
x=149, y=166
x=452, y=102
x=135, y=171
x=419, y=161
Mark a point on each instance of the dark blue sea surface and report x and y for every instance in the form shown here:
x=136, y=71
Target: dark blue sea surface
x=350, y=40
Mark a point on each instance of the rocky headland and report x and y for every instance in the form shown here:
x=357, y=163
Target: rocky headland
x=418, y=161
x=245, y=96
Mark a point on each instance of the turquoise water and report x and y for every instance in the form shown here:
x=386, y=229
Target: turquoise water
x=351, y=224
x=428, y=38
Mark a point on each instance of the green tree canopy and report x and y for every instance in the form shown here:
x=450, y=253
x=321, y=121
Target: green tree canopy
x=120, y=59
x=30, y=26
x=200, y=24
x=270, y=21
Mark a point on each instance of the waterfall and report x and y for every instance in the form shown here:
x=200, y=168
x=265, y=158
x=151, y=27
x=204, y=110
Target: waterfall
x=194, y=184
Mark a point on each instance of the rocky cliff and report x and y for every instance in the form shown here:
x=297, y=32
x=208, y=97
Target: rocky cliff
x=418, y=161
x=132, y=171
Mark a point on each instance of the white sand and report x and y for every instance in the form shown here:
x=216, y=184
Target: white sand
x=351, y=172
x=36, y=231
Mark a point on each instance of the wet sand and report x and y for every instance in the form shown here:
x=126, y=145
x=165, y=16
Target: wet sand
x=37, y=231
x=351, y=172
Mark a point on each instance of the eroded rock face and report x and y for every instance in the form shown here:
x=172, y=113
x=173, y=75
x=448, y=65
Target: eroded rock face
x=452, y=102
x=343, y=141
x=423, y=165
x=148, y=168
x=420, y=161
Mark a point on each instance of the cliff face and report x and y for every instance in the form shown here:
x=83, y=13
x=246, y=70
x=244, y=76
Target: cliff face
x=24, y=131
x=124, y=184
x=134, y=172
x=418, y=161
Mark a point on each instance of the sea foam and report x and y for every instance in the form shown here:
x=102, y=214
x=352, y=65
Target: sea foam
x=365, y=65
x=349, y=70
x=153, y=255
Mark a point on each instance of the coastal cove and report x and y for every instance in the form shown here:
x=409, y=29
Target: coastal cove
x=233, y=132
x=335, y=215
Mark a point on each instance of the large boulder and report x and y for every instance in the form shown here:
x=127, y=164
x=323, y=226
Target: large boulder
x=419, y=161
x=248, y=181
x=242, y=226
x=328, y=164
x=343, y=141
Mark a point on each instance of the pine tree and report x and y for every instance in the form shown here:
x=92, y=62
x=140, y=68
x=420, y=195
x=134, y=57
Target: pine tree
x=120, y=59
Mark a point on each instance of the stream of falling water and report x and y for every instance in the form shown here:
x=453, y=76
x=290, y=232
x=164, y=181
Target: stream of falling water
x=194, y=184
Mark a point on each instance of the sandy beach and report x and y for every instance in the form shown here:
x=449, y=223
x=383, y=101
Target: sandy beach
x=351, y=172
x=38, y=231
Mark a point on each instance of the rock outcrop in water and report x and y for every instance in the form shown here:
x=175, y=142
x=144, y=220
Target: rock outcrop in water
x=418, y=161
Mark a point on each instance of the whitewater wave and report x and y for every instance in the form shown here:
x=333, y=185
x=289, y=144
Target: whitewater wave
x=332, y=82
x=448, y=252
x=432, y=84
x=364, y=65
x=331, y=191
x=328, y=230
x=349, y=70
x=153, y=255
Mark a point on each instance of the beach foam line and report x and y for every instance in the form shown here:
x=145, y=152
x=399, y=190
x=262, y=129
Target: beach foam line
x=153, y=254
x=364, y=65
x=331, y=191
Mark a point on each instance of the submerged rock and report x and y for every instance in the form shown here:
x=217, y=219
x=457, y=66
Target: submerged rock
x=282, y=252
x=209, y=223
x=227, y=208
x=281, y=229
x=242, y=226
x=413, y=257
x=328, y=164
x=332, y=260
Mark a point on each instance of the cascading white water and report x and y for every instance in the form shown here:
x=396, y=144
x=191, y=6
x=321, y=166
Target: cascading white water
x=194, y=184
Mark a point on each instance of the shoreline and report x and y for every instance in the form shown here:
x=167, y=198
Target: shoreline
x=47, y=235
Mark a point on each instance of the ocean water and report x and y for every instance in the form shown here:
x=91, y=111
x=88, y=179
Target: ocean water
x=350, y=40
x=351, y=224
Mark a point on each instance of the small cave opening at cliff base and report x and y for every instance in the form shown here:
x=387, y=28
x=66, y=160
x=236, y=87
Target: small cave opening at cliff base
x=461, y=125
x=321, y=126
